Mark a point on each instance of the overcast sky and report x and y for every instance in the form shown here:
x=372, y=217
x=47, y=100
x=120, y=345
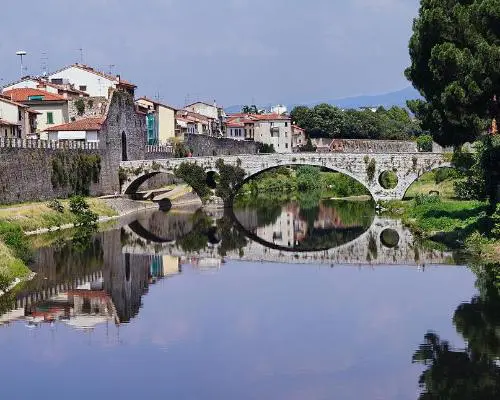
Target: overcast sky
x=233, y=51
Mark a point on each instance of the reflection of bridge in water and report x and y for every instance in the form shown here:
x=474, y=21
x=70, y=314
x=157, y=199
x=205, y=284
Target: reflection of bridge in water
x=386, y=242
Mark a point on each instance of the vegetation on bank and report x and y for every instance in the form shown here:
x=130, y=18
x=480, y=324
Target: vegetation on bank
x=33, y=216
x=15, y=247
x=455, y=223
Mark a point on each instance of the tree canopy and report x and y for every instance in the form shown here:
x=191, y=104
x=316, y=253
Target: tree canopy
x=325, y=120
x=455, y=64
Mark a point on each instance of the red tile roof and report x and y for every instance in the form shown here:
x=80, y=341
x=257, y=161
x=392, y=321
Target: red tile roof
x=297, y=128
x=158, y=103
x=23, y=95
x=7, y=123
x=86, y=124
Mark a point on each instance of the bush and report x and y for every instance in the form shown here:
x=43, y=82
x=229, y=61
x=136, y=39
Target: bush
x=81, y=209
x=424, y=143
x=14, y=238
x=442, y=174
x=370, y=169
x=495, y=218
x=421, y=199
x=56, y=205
x=194, y=175
x=266, y=148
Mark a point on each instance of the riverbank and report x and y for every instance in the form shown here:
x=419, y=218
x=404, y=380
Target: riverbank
x=453, y=223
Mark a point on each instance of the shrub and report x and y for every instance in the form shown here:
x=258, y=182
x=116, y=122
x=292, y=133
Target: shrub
x=13, y=236
x=495, y=218
x=81, y=209
x=56, y=205
x=421, y=199
x=424, y=143
x=442, y=174
x=80, y=106
x=266, y=148
x=370, y=169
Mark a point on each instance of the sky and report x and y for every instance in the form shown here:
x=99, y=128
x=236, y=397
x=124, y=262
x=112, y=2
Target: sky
x=230, y=51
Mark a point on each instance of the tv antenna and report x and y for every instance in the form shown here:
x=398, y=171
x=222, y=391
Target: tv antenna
x=81, y=54
x=111, y=66
x=44, y=64
x=21, y=54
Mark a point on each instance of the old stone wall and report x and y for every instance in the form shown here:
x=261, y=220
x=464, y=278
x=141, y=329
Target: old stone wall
x=369, y=146
x=94, y=107
x=122, y=137
x=203, y=145
x=27, y=172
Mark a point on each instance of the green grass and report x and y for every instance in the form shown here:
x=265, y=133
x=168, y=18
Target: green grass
x=454, y=223
x=33, y=216
x=427, y=183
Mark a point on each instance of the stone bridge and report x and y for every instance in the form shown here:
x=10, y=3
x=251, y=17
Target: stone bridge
x=371, y=248
x=407, y=166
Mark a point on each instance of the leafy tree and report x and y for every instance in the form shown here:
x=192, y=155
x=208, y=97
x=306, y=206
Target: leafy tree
x=194, y=175
x=455, y=53
x=250, y=109
x=424, y=143
x=230, y=177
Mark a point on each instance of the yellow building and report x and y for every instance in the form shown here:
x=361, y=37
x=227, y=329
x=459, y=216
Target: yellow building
x=160, y=120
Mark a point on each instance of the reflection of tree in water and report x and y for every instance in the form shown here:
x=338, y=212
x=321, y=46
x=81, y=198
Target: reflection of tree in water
x=224, y=232
x=231, y=237
x=472, y=373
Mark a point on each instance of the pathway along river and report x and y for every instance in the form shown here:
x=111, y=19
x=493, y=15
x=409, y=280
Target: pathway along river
x=288, y=302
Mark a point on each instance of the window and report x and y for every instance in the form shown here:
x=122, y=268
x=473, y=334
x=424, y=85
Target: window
x=83, y=88
x=50, y=118
x=286, y=123
x=286, y=145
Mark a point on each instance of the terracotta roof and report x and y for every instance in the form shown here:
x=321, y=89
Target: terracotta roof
x=297, y=128
x=235, y=125
x=271, y=117
x=7, y=123
x=99, y=73
x=7, y=99
x=86, y=124
x=23, y=94
x=158, y=103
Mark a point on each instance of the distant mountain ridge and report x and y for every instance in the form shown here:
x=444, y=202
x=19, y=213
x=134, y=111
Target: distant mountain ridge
x=397, y=98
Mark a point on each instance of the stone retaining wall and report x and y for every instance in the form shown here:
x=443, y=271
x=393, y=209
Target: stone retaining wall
x=203, y=145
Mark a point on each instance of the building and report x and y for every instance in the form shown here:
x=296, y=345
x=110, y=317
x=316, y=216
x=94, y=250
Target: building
x=192, y=123
x=66, y=90
x=298, y=138
x=160, y=120
x=53, y=108
x=87, y=79
x=16, y=120
x=241, y=127
x=214, y=113
x=85, y=130
x=275, y=130
x=279, y=109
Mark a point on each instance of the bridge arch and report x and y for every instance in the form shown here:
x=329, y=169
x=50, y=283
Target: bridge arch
x=418, y=176
x=339, y=170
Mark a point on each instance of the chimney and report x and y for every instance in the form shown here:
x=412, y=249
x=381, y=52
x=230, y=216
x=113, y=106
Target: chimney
x=118, y=77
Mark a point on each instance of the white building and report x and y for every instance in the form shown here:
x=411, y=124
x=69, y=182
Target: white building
x=65, y=90
x=52, y=108
x=16, y=120
x=85, y=130
x=89, y=80
x=276, y=130
x=213, y=112
x=279, y=109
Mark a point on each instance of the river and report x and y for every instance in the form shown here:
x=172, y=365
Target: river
x=273, y=302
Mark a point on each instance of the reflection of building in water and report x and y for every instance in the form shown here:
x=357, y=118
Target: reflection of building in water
x=102, y=284
x=205, y=264
x=281, y=232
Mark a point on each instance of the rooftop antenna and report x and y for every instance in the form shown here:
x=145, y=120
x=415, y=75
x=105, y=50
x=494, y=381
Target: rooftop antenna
x=21, y=54
x=44, y=64
x=81, y=55
x=111, y=66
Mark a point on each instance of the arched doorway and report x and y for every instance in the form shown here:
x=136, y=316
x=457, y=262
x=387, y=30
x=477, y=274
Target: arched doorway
x=124, y=147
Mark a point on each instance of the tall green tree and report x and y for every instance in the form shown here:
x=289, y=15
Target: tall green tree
x=455, y=64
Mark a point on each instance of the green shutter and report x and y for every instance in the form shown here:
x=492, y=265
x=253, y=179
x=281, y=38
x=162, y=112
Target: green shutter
x=50, y=118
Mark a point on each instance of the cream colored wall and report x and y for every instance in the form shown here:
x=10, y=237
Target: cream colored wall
x=60, y=112
x=166, y=124
x=9, y=112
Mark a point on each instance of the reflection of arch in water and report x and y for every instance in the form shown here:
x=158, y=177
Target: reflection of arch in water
x=161, y=227
x=347, y=234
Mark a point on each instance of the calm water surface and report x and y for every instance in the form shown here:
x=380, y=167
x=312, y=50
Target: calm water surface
x=179, y=306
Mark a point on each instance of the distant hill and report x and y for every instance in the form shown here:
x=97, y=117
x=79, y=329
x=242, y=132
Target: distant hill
x=397, y=98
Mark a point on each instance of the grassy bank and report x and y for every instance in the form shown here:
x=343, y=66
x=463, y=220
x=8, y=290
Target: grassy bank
x=32, y=216
x=15, y=247
x=455, y=223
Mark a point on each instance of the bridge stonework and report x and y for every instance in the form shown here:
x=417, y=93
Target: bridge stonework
x=407, y=166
